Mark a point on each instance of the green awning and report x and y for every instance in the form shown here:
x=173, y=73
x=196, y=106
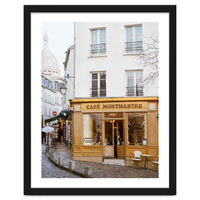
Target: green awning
x=62, y=114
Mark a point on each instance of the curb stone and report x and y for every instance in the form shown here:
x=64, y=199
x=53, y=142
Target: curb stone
x=67, y=169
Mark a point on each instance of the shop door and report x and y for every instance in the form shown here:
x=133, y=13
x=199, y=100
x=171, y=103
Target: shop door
x=114, y=145
x=119, y=139
x=109, y=137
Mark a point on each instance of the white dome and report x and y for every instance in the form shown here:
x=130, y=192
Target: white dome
x=49, y=61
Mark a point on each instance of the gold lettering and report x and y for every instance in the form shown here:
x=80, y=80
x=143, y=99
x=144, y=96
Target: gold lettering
x=88, y=107
x=105, y=106
x=113, y=106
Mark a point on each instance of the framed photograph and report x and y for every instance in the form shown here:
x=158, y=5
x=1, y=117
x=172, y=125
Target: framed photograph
x=100, y=100
x=144, y=142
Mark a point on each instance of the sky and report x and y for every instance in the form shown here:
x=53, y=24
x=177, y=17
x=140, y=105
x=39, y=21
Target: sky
x=60, y=38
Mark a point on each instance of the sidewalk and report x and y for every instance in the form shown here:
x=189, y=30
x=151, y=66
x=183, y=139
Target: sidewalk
x=98, y=170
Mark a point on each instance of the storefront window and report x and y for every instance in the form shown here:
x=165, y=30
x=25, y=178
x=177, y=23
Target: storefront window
x=136, y=128
x=92, y=129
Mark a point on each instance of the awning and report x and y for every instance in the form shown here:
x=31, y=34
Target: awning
x=63, y=114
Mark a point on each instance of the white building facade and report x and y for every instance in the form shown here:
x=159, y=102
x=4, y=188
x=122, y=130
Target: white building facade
x=106, y=59
x=115, y=104
x=69, y=69
x=51, y=97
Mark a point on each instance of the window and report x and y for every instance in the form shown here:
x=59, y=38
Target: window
x=136, y=128
x=133, y=42
x=51, y=86
x=98, y=41
x=92, y=129
x=47, y=83
x=58, y=86
x=98, y=84
x=134, y=83
x=43, y=81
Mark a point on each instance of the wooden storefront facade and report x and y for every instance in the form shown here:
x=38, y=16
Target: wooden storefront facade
x=114, y=128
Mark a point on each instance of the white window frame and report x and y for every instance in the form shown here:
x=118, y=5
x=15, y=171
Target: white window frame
x=134, y=36
x=98, y=85
x=135, y=78
x=98, y=39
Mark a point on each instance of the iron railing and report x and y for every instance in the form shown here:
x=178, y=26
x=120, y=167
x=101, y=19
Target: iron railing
x=134, y=91
x=98, y=48
x=97, y=92
x=133, y=46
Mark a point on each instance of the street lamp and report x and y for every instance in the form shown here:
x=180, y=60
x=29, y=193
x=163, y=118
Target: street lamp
x=63, y=89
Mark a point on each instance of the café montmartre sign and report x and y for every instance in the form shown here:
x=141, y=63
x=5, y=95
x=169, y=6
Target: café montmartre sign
x=105, y=107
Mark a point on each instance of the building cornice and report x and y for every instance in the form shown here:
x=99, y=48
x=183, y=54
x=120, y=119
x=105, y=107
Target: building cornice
x=115, y=99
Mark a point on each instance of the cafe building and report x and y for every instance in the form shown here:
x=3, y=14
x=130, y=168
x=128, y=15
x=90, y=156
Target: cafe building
x=114, y=128
x=114, y=109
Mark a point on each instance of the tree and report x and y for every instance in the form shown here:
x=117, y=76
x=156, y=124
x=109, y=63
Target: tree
x=149, y=59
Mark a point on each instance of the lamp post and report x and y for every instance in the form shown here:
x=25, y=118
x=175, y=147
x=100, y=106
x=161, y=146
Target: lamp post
x=63, y=90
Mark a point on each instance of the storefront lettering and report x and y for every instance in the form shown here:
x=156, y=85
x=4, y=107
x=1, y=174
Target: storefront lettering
x=113, y=106
x=97, y=106
x=121, y=106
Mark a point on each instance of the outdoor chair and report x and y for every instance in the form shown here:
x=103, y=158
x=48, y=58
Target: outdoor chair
x=136, y=157
x=156, y=161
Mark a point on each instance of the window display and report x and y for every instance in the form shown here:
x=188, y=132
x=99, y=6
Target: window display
x=136, y=128
x=92, y=129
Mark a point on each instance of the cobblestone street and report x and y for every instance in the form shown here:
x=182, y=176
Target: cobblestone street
x=114, y=171
x=49, y=170
x=99, y=170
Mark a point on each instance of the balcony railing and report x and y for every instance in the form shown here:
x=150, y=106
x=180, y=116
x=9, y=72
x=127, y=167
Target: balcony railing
x=133, y=46
x=134, y=91
x=98, y=48
x=97, y=92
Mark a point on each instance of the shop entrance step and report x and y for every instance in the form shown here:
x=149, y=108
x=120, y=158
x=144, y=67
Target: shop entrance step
x=114, y=162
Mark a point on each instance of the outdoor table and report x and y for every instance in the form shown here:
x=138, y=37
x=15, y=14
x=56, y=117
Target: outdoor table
x=145, y=155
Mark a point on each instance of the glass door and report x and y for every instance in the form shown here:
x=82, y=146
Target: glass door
x=119, y=139
x=109, y=137
x=114, y=139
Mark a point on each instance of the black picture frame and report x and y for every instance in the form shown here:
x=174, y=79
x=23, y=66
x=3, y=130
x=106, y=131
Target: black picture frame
x=171, y=10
